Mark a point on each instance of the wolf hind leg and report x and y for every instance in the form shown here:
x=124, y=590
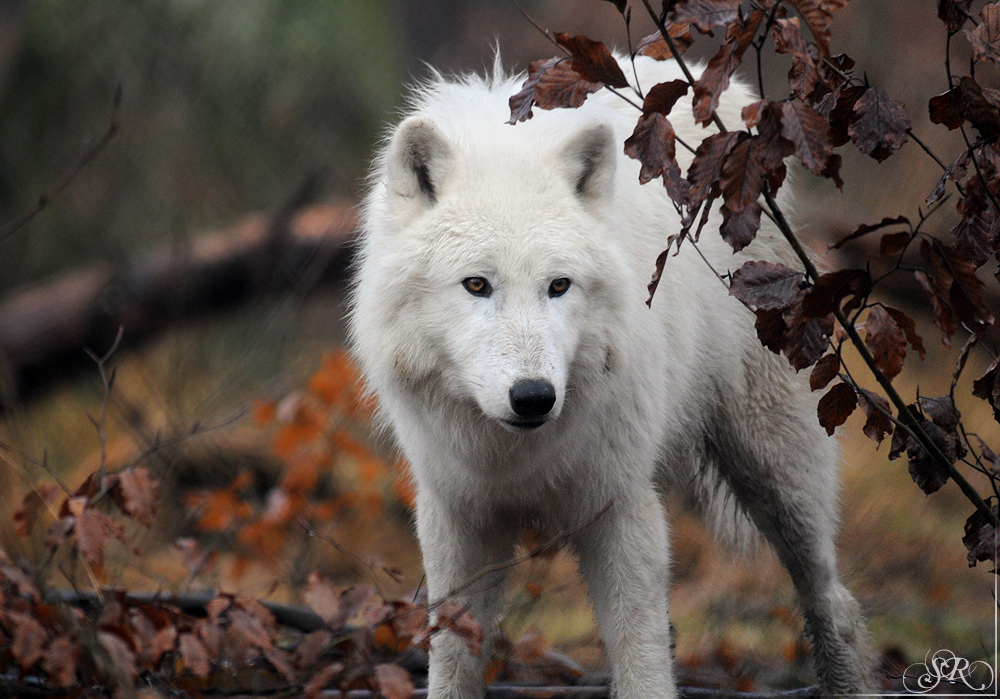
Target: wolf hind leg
x=787, y=484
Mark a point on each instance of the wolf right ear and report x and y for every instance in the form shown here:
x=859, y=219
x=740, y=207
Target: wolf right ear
x=417, y=159
x=590, y=158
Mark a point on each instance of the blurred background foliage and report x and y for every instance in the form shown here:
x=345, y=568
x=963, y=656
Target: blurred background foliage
x=230, y=104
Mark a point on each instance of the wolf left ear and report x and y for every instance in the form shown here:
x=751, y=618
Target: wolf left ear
x=590, y=161
x=417, y=159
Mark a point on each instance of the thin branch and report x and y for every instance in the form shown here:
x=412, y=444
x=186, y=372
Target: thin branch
x=47, y=197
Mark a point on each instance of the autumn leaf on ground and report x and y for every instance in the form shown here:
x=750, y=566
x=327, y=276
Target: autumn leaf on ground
x=393, y=681
x=881, y=126
x=135, y=494
x=836, y=406
x=34, y=502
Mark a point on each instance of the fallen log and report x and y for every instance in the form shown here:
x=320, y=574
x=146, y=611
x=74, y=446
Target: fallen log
x=45, y=327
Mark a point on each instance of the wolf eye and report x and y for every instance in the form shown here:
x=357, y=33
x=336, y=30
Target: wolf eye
x=477, y=286
x=558, y=287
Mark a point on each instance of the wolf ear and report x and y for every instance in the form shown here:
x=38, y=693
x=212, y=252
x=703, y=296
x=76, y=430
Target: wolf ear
x=417, y=160
x=590, y=160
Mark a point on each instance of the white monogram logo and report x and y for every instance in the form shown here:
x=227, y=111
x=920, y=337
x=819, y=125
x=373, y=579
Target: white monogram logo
x=948, y=667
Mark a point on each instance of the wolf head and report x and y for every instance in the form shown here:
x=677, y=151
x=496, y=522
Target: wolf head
x=489, y=274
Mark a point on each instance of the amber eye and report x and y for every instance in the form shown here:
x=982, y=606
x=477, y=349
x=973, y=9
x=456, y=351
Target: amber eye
x=477, y=286
x=558, y=287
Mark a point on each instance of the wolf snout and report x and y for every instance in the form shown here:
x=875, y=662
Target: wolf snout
x=532, y=398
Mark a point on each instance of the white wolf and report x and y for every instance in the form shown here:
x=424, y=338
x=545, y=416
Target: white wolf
x=499, y=316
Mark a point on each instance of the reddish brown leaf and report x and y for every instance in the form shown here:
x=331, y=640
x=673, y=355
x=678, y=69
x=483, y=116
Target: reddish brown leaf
x=974, y=236
x=953, y=13
x=886, y=341
x=893, y=243
x=592, y=61
x=979, y=106
x=456, y=619
x=987, y=387
x=393, y=681
x=981, y=538
x=877, y=423
x=805, y=128
x=652, y=144
x=705, y=15
x=324, y=599
x=944, y=108
x=836, y=406
x=985, y=38
x=770, y=326
x=866, y=228
x=942, y=312
x=92, y=530
x=881, y=126
x=248, y=630
x=715, y=78
x=551, y=83
x=824, y=372
x=925, y=471
x=661, y=260
x=135, y=494
x=60, y=662
x=804, y=74
x=955, y=172
x=662, y=97
x=34, y=502
x=830, y=290
x=656, y=47
x=163, y=642
x=818, y=15
x=805, y=338
x=281, y=660
x=194, y=655
x=766, y=285
x=29, y=639
x=909, y=329
x=838, y=108
x=705, y=169
x=311, y=647
x=319, y=681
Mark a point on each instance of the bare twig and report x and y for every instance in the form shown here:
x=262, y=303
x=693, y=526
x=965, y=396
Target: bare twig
x=46, y=197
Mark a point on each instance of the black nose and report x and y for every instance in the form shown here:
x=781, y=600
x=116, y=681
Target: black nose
x=532, y=397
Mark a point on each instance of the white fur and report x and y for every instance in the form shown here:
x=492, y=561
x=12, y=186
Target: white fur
x=679, y=395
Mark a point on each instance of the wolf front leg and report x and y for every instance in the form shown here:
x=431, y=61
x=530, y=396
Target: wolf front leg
x=624, y=558
x=455, y=550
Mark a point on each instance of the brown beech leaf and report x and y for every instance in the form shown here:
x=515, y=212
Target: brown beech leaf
x=393, y=681
x=985, y=38
x=939, y=306
x=705, y=169
x=804, y=74
x=92, y=531
x=249, y=630
x=34, y=502
x=832, y=288
x=987, y=387
x=953, y=13
x=893, y=243
x=818, y=15
x=824, y=372
x=805, y=128
x=838, y=108
x=941, y=411
x=654, y=282
x=135, y=494
x=551, y=83
x=324, y=599
x=311, y=648
x=715, y=78
x=881, y=126
x=805, y=339
x=29, y=639
x=974, y=237
x=866, y=228
x=981, y=538
x=836, y=406
x=877, y=423
x=886, y=341
x=705, y=15
x=194, y=655
x=319, y=681
x=654, y=46
x=944, y=108
x=955, y=172
x=652, y=144
x=979, y=107
x=739, y=227
x=770, y=326
x=766, y=285
x=909, y=329
x=925, y=471
x=663, y=96
x=592, y=60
